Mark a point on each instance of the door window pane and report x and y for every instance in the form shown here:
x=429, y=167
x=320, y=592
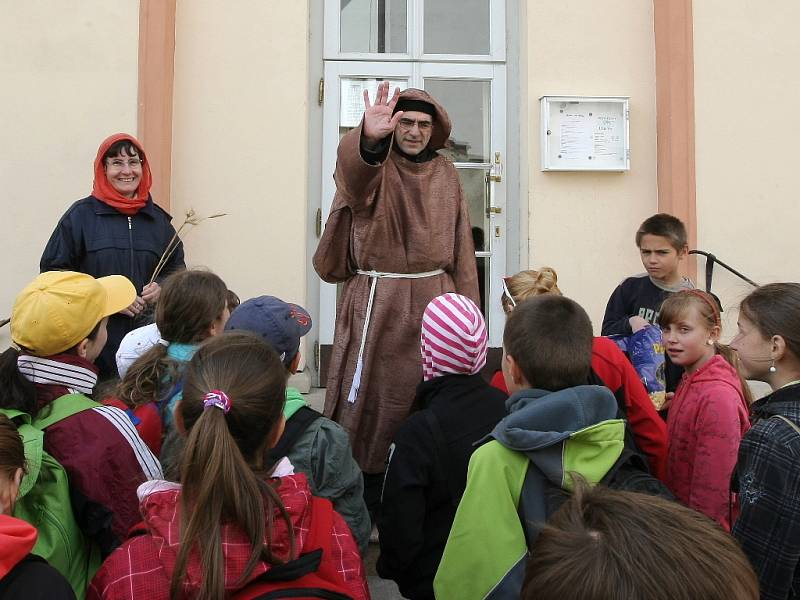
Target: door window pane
x=375, y=26
x=473, y=182
x=467, y=102
x=456, y=27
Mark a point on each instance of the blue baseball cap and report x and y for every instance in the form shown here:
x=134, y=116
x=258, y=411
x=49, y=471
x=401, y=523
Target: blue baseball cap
x=279, y=323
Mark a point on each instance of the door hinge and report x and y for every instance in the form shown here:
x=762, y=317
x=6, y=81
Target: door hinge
x=321, y=91
x=317, y=359
x=318, y=223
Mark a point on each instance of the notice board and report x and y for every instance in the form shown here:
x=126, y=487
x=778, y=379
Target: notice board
x=585, y=133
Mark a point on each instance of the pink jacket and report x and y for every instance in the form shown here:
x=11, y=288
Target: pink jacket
x=706, y=421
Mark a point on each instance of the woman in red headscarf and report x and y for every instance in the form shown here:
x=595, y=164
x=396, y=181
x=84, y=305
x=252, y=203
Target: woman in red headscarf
x=117, y=230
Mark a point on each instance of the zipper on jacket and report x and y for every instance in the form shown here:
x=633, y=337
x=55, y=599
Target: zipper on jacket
x=130, y=239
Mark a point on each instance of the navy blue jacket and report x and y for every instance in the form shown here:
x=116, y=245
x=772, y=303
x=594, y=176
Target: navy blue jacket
x=95, y=238
x=767, y=477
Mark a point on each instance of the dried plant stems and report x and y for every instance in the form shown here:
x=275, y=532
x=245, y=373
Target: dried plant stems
x=191, y=219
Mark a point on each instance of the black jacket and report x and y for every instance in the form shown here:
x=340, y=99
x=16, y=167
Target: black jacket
x=94, y=238
x=767, y=478
x=427, y=474
x=33, y=579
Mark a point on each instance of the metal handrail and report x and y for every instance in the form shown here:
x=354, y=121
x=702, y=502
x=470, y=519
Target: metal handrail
x=711, y=260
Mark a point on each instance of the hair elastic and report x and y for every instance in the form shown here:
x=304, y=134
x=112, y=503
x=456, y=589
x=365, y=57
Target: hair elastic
x=219, y=399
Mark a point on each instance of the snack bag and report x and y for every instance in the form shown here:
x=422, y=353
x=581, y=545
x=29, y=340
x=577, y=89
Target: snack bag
x=645, y=348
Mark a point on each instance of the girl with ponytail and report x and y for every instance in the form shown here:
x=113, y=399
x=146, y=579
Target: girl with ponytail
x=709, y=414
x=230, y=522
x=192, y=307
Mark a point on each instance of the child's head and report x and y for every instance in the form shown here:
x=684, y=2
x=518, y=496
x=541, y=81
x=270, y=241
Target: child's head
x=191, y=308
x=662, y=243
x=12, y=464
x=60, y=312
x=232, y=411
x=768, y=341
x=547, y=344
x=278, y=323
x=527, y=284
x=232, y=300
x=628, y=545
x=63, y=311
x=453, y=337
x=691, y=327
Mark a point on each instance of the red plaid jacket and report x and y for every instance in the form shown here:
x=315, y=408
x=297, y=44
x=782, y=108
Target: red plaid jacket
x=142, y=567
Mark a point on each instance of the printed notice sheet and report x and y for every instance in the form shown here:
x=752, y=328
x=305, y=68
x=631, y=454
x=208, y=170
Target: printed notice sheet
x=352, y=97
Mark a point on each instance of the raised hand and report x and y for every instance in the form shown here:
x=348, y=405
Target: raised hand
x=378, y=119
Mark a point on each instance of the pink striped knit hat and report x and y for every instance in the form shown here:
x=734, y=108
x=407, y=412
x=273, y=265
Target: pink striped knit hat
x=453, y=337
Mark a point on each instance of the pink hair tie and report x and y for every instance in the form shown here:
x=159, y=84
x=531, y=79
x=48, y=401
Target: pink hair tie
x=219, y=399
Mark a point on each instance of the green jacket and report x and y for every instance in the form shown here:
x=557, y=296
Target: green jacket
x=553, y=433
x=324, y=455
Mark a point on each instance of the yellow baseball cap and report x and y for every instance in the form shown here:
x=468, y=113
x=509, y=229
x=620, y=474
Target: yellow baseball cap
x=59, y=309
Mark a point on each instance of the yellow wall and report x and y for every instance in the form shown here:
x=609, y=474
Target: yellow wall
x=747, y=127
x=583, y=224
x=69, y=79
x=240, y=130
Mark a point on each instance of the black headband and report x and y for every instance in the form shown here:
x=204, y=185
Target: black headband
x=417, y=105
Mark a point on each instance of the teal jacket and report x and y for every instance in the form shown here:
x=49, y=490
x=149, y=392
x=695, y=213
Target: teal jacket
x=572, y=430
x=324, y=455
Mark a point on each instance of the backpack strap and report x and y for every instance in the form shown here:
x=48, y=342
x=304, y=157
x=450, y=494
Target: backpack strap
x=789, y=422
x=61, y=408
x=33, y=442
x=443, y=453
x=296, y=426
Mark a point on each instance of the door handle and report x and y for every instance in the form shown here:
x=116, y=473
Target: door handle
x=496, y=172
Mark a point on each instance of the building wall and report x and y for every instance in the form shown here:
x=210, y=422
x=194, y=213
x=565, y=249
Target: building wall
x=240, y=130
x=583, y=224
x=747, y=127
x=69, y=79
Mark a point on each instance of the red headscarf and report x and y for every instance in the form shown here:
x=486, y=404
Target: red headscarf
x=105, y=192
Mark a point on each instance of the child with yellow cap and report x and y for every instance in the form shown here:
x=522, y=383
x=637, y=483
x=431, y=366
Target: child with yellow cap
x=58, y=324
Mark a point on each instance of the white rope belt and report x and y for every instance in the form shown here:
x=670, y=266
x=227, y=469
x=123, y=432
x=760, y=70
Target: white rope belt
x=375, y=275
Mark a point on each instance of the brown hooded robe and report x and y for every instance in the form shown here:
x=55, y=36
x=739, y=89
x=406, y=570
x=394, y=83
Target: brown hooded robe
x=396, y=216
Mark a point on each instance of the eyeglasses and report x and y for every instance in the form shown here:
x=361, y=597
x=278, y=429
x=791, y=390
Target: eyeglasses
x=508, y=294
x=409, y=124
x=118, y=163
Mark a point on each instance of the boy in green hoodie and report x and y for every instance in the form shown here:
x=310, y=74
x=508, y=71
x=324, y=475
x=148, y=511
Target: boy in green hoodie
x=556, y=425
x=315, y=445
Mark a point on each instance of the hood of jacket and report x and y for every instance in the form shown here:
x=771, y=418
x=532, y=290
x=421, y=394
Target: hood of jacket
x=784, y=401
x=17, y=538
x=441, y=126
x=719, y=372
x=294, y=402
x=572, y=430
x=160, y=507
x=716, y=369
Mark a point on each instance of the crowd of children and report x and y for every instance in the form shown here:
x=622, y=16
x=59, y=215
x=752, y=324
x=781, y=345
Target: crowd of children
x=201, y=474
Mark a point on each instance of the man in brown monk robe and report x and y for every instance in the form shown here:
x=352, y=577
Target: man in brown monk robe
x=398, y=235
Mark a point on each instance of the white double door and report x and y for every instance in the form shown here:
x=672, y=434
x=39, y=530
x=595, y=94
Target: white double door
x=474, y=96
